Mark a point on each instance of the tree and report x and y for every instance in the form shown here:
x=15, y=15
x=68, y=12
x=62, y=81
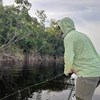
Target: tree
x=1, y=2
x=54, y=39
x=16, y=25
x=23, y=4
x=18, y=30
x=41, y=16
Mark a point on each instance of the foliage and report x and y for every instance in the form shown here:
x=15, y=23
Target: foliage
x=29, y=34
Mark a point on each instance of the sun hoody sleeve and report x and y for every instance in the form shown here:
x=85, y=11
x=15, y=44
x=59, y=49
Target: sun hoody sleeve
x=67, y=26
x=68, y=55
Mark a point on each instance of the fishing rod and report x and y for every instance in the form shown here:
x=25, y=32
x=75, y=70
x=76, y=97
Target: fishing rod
x=47, y=80
x=73, y=78
x=19, y=91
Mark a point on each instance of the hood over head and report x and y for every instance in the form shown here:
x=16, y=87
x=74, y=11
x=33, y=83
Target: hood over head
x=66, y=24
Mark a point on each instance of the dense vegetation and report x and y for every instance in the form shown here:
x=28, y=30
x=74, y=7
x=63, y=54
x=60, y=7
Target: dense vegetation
x=20, y=32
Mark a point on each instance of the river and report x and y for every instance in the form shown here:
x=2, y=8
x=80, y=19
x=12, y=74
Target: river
x=21, y=82
x=43, y=81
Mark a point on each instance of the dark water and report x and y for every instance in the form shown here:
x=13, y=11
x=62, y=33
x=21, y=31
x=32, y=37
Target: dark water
x=29, y=82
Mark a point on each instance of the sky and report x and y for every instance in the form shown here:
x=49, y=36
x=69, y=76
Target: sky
x=84, y=13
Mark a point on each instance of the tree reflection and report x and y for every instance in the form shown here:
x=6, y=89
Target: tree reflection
x=18, y=79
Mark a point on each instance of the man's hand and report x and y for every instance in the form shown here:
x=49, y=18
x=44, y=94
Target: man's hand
x=71, y=72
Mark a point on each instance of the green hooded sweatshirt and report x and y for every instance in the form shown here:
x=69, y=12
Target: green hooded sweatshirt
x=80, y=53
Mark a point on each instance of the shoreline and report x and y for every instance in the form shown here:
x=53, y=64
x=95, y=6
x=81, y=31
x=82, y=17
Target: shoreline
x=30, y=59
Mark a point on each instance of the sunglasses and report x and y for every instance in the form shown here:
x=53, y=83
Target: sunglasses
x=58, y=27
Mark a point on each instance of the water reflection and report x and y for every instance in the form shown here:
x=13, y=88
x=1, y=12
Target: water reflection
x=15, y=81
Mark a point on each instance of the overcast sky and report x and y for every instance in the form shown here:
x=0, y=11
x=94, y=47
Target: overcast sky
x=85, y=14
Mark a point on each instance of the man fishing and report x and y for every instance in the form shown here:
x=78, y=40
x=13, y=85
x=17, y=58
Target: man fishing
x=80, y=57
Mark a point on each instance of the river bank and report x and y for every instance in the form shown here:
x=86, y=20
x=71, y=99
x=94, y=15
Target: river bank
x=29, y=59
